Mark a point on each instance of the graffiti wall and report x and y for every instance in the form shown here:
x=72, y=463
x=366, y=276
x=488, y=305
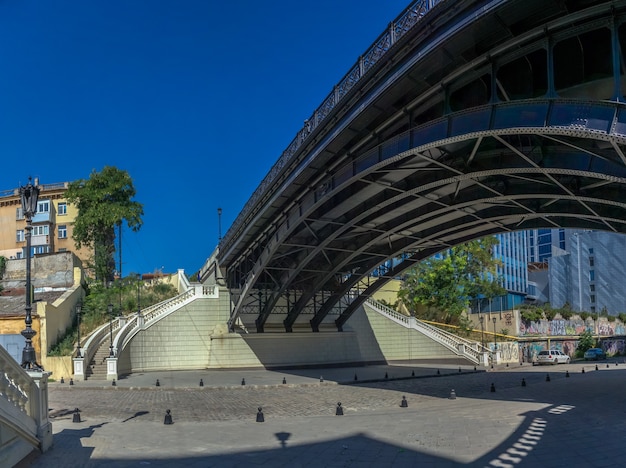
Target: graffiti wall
x=573, y=327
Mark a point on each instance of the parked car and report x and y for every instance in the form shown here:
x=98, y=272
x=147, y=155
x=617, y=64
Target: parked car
x=594, y=354
x=552, y=356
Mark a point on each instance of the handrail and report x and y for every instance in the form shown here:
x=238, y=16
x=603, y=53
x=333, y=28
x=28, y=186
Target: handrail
x=94, y=341
x=397, y=29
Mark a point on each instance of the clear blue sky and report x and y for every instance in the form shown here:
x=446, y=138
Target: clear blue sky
x=196, y=99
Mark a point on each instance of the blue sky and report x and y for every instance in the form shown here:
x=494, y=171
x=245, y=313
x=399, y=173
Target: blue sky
x=196, y=99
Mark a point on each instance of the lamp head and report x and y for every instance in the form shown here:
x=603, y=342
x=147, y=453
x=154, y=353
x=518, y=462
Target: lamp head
x=29, y=195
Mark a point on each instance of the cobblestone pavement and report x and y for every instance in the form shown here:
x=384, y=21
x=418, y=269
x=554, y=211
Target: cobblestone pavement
x=547, y=422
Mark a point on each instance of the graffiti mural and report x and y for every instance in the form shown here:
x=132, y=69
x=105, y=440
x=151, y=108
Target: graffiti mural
x=613, y=346
x=561, y=327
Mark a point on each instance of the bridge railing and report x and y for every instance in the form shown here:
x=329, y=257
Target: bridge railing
x=398, y=28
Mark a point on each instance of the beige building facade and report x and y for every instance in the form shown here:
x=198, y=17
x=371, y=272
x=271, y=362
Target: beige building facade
x=52, y=224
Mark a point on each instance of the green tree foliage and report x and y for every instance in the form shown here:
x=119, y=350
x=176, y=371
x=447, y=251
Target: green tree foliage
x=446, y=285
x=103, y=200
x=585, y=342
x=95, y=307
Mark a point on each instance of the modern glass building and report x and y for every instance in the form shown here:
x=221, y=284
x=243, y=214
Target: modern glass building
x=590, y=277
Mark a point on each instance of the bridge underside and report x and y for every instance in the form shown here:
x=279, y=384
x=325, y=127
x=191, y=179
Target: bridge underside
x=480, y=121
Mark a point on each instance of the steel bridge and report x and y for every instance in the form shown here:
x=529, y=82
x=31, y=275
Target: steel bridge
x=463, y=119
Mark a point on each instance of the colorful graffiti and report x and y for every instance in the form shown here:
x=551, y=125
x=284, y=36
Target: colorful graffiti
x=562, y=327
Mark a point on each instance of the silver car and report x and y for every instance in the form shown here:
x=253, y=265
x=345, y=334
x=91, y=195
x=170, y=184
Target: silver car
x=552, y=356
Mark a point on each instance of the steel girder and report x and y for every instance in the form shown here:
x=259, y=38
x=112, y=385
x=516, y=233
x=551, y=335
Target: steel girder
x=508, y=164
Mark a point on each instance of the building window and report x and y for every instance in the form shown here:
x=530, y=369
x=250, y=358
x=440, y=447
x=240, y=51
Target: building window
x=592, y=275
x=62, y=231
x=43, y=206
x=42, y=230
x=590, y=261
x=62, y=208
x=593, y=309
x=590, y=250
x=20, y=235
x=19, y=213
x=592, y=298
x=592, y=287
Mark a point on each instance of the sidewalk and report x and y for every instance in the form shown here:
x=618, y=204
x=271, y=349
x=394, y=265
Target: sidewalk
x=545, y=423
x=221, y=378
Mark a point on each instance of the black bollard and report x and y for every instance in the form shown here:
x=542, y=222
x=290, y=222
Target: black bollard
x=259, y=415
x=321, y=378
x=452, y=395
x=567, y=373
x=168, y=417
x=507, y=364
x=459, y=369
x=386, y=376
x=76, y=417
x=243, y=381
x=113, y=384
x=62, y=381
x=523, y=382
x=355, y=377
x=547, y=377
x=339, y=411
x=493, y=388
x=201, y=383
x=284, y=380
x=474, y=368
x=158, y=384
x=438, y=373
x=607, y=366
x=404, y=403
x=71, y=381
x=583, y=370
x=413, y=372
x=596, y=367
x=616, y=364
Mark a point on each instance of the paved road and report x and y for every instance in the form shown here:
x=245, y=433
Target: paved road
x=578, y=420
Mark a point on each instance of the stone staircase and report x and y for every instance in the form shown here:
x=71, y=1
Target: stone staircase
x=97, y=367
x=468, y=349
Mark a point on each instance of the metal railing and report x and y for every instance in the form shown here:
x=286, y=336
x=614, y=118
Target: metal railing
x=396, y=30
x=469, y=349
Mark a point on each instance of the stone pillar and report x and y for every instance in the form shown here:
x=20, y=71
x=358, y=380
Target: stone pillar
x=484, y=359
x=112, y=368
x=79, y=369
x=39, y=407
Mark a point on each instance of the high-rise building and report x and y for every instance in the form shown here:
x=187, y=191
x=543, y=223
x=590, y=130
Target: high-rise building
x=590, y=276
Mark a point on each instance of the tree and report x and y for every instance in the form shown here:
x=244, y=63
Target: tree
x=448, y=282
x=103, y=200
x=585, y=342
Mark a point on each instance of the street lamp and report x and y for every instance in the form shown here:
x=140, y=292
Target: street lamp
x=495, y=338
x=482, y=330
x=111, y=353
x=219, y=225
x=138, y=294
x=78, y=351
x=29, y=195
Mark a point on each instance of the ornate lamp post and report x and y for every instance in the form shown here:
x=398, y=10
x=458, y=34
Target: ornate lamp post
x=110, y=308
x=495, y=338
x=29, y=195
x=78, y=311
